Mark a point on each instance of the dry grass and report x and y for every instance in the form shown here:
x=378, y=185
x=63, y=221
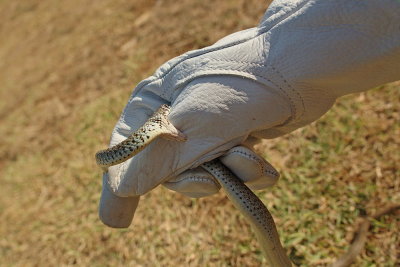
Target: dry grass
x=66, y=71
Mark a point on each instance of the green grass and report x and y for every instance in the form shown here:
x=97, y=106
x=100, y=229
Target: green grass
x=68, y=87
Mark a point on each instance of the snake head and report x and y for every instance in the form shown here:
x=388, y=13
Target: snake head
x=167, y=128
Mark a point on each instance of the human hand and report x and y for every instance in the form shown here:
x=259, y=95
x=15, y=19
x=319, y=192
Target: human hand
x=208, y=136
x=262, y=82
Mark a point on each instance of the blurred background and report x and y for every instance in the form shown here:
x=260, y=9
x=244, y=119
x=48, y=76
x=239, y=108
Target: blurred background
x=67, y=69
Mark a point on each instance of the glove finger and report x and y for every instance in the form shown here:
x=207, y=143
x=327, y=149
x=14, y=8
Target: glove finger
x=194, y=183
x=136, y=113
x=215, y=115
x=115, y=211
x=251, y=168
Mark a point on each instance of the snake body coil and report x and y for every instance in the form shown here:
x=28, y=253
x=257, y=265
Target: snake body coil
x=241, y=196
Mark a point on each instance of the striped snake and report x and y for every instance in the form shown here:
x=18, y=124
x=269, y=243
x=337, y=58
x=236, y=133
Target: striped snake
x=241, y=196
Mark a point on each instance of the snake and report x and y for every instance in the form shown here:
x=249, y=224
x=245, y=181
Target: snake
x=249, y=205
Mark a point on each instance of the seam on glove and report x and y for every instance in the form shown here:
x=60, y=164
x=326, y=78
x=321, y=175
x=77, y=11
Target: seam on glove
x=196, y=179
x=245, y=75
x=296, y=114
x=262, y=169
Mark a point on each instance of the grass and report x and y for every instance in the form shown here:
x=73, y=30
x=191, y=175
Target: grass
x=66, y=71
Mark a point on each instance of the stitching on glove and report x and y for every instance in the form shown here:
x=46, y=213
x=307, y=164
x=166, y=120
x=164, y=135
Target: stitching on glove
x=263, y=170
x=196, y=179
x=236, y=61
x=239, y=72
x=293, y=90
x=292, y=102
x=199, y=179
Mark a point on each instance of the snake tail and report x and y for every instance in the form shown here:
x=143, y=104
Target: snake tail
x=156, y=126
x=254, y=210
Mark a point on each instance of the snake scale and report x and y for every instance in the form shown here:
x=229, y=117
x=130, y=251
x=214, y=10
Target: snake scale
x=251, y=207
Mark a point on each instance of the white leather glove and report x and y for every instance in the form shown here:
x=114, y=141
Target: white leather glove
x=263, y=82
x=255, y=171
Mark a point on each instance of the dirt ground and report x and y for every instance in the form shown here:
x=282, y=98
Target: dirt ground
x=67, y=69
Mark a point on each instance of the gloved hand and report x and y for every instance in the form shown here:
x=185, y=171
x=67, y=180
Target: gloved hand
x=206, y=111
x=263, y=82
x=252, y=169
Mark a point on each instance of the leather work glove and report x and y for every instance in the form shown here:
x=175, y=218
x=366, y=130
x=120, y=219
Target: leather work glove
x=263, y=82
